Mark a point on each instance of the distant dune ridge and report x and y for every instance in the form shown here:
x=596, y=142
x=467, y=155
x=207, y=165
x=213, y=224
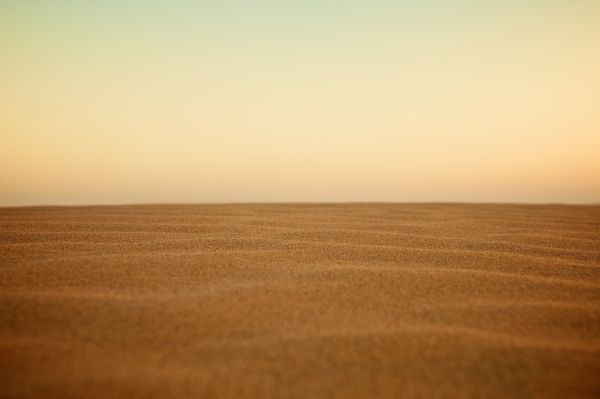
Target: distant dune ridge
x=300, y=301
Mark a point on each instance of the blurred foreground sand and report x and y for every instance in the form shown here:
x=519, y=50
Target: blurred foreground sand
x=300, y=301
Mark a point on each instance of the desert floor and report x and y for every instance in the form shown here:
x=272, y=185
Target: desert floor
x=300, y=301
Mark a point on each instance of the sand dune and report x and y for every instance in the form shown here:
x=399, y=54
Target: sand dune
x=300, y=301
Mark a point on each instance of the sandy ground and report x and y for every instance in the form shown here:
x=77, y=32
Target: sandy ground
x=300, y=301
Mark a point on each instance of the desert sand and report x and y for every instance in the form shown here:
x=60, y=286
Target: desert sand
x=300, y=301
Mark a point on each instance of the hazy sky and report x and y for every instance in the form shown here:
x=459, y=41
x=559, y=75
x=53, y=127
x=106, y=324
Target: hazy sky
x=313, y=100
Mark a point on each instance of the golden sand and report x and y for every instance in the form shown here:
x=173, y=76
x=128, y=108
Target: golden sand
x=300, y=301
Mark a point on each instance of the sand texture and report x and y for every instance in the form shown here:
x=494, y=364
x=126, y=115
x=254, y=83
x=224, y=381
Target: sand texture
x=300, y=301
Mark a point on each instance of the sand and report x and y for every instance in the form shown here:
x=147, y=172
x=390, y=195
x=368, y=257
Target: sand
x=300, y=301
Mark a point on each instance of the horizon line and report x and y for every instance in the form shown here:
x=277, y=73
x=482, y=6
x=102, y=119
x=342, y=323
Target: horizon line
x=275, y=203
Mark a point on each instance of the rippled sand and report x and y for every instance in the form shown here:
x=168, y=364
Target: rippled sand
x=300, y=301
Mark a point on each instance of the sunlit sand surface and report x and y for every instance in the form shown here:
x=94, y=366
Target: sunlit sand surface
x=300, y=301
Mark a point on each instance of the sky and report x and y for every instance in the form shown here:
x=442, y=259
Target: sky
x=128, y=101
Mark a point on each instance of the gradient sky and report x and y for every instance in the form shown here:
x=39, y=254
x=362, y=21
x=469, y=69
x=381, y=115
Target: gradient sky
x=314, y=100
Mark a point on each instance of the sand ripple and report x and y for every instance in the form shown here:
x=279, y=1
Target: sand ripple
x=303, y=301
